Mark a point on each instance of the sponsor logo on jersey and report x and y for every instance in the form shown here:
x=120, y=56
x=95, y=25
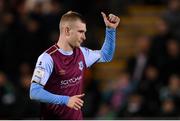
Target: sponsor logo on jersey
x=70, y=82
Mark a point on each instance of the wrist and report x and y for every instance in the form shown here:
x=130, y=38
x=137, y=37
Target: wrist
x=66, y=100
x=110, y=29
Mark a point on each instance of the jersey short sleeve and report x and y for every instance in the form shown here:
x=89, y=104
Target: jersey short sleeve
x=43, y=69
x=90, y=56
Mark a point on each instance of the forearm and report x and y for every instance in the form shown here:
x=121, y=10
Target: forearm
x=37, y=92
x=108, y=48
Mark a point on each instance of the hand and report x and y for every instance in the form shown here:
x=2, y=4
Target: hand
x=111, y=21
x=75, y=102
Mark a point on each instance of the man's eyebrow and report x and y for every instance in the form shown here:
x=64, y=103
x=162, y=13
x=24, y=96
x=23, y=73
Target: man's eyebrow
x=82, y=30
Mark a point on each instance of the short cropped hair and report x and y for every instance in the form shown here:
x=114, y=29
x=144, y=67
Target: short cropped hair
x=71, y=16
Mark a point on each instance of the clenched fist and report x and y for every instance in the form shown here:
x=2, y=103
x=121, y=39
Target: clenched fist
x=111, y=20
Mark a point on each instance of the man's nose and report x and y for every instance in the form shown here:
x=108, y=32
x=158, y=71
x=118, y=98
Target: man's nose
x=84, y=37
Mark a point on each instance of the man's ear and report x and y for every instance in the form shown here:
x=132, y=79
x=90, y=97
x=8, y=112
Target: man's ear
x=67, y=31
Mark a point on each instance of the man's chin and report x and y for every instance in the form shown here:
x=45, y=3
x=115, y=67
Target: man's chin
x=78, y=45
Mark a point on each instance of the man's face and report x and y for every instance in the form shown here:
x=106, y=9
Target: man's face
x=77, y=33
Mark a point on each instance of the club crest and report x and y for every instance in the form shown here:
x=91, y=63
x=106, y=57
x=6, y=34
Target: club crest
x=81, y=66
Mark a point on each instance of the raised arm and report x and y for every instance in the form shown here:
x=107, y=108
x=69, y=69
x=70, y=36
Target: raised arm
x=108, y=48
x=111, y=21
x=105, y=54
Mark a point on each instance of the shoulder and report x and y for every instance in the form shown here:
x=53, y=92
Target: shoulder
x=44, y=58
x=52, y=49
x=84, y=49
x=90, y=53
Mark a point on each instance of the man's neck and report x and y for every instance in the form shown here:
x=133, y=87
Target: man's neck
x=62, y=43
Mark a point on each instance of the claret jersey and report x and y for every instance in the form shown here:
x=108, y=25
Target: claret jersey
x=62, y=73
x=59, y=75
